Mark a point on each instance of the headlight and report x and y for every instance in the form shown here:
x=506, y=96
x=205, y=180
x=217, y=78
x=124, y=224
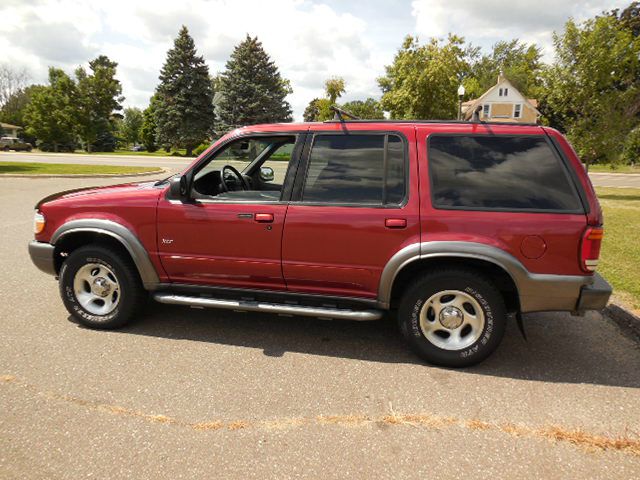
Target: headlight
x=38, y=222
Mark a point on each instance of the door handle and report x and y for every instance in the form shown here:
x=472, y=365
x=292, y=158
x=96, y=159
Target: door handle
x=263, y=217
x=395, y=222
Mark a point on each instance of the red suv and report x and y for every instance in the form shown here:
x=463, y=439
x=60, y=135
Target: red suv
x=452, y=227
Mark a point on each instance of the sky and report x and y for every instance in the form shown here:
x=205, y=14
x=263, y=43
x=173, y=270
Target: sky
x=310, y=40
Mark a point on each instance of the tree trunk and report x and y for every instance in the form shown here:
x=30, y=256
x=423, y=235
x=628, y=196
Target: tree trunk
x=189, y=151
x=55, y=147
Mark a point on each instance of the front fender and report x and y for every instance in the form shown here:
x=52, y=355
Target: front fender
x=122, y=234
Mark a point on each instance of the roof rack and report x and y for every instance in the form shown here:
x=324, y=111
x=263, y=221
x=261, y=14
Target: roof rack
x=339, y=114
x=457, y=122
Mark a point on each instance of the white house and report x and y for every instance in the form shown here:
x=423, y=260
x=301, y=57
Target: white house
x=9, y=130
x=503, y=103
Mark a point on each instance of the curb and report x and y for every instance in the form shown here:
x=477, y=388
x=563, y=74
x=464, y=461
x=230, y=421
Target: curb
x=627, y=321
x=83, y=175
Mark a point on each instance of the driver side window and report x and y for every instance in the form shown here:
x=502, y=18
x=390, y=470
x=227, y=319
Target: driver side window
x=250, y=168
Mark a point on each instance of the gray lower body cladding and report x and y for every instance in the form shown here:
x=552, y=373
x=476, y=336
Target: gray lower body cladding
x=537, y=292
x=42, y=256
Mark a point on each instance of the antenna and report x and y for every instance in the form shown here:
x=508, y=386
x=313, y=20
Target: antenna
x=339, y=114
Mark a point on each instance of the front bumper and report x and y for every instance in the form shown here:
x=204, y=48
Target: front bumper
x=42, y=256
x=594, y=296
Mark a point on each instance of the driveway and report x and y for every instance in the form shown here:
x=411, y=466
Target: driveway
x=185, y=393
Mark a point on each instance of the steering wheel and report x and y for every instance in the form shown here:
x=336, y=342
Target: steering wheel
x=241, y=180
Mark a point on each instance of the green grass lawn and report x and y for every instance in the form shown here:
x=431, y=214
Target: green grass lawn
x=620, y=256
x=68, y=169
x=157, y=153
x=617, y=169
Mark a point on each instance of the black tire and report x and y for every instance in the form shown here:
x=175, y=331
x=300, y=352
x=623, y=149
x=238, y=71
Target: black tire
x=130, y=294
x=469, y=284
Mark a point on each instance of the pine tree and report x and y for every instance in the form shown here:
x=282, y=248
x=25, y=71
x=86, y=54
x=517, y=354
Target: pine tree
x=252, y=89
x=184, y=110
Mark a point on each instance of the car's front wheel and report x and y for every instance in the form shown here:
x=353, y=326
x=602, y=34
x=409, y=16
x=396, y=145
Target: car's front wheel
x=100, y=287
x=452, y=317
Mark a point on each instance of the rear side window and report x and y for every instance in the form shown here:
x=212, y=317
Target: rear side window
x=499, y=173
x=356, y=169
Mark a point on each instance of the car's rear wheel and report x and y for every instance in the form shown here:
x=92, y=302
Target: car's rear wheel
x=453, y=317
x=100, y=287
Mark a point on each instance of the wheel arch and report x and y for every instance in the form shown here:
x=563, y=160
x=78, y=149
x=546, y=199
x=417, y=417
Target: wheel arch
x=77, y=233
x=503, y=269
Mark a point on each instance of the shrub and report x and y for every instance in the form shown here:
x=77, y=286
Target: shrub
x=200, y=148
x=631, y=148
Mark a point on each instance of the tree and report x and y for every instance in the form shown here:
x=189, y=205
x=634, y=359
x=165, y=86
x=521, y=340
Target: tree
x=593, y=90
x=520, y=63
x=51, y=115
x=368, y=109
x=422, y=81
x=334, y=88
x=312, y=111
x=252, y=89
x=629, y=17
x=99, y=95
x=131, y=125
x=184, y=111
x=14, y=108
x=12, y=81
x=148, y=130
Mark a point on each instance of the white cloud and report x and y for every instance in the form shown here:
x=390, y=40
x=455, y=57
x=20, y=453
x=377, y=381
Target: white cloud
x=484, y=22
x=310, y=40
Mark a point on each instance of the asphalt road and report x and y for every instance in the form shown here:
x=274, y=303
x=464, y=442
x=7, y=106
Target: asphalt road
x=187, y=393
x=177, y=164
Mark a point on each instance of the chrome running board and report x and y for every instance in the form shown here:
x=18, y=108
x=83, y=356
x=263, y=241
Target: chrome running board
x=277, y=308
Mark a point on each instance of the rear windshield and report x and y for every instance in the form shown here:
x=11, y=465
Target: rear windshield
x=499, y=173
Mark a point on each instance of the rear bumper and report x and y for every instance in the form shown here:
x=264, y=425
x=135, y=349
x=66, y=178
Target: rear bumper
x=563, y=293
x=42, y=256
x=594, y=296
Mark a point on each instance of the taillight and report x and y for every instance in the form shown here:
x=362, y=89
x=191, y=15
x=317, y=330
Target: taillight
x=590, y=248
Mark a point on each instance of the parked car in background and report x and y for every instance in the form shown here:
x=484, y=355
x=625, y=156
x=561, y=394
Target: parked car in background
x=14, y=143
x=452, y=228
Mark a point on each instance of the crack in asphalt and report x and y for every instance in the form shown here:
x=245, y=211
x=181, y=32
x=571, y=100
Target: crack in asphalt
x=577, y=437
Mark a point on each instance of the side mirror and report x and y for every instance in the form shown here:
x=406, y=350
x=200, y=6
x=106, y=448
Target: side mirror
x=179, y=187
x=266, y=174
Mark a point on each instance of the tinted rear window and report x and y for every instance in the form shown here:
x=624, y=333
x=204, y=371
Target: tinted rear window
x=499, y=173
x=350, y=169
